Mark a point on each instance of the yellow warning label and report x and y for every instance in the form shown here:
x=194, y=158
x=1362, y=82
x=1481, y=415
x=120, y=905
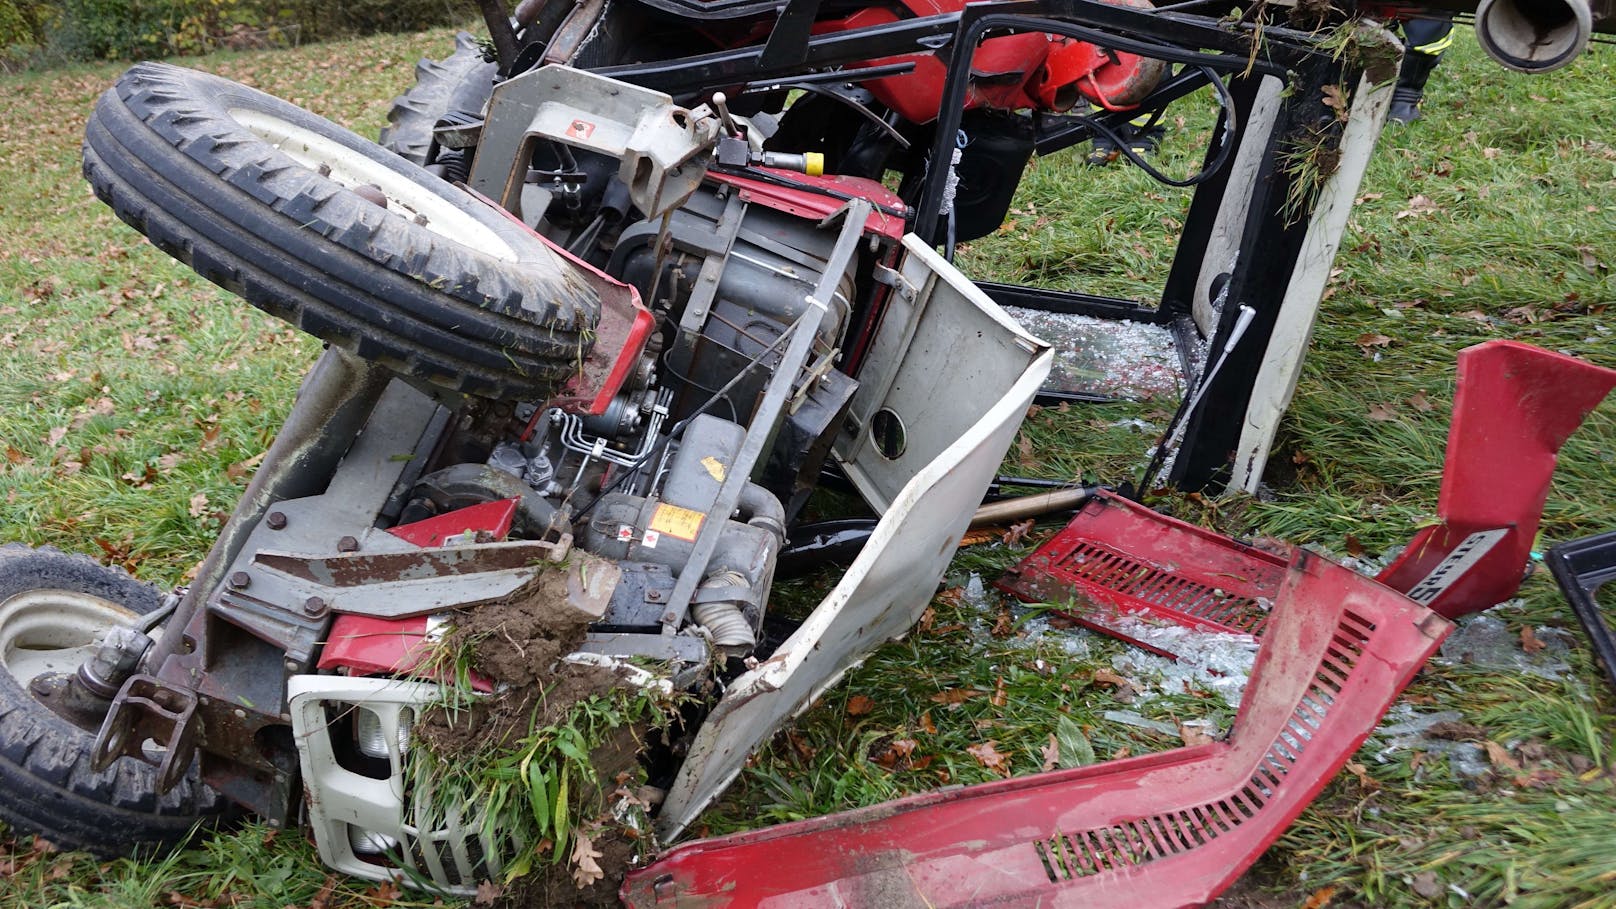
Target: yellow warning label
x=677, y=522
x=715, y=467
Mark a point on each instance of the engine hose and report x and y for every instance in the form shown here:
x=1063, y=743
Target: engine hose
x=723, y=619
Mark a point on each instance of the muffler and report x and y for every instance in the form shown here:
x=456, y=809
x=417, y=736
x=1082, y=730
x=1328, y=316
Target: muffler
x=1534, y=36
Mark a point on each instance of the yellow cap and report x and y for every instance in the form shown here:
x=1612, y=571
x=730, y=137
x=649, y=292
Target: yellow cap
x=813, y=164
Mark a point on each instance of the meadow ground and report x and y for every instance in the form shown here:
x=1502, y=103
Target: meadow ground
x=135, y=399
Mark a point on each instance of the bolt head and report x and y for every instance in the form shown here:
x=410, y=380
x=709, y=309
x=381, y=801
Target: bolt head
x=276, y=520
x=240, y=580
x=314, y=606
x=348, y=544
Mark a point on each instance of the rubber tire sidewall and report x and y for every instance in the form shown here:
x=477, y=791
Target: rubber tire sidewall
x=46, y=785
x=164, y=149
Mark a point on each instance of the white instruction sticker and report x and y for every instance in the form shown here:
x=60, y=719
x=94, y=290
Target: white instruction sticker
x=1453, y=567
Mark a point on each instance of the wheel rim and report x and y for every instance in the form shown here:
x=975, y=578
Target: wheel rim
x=47, y=630
x=351, y=170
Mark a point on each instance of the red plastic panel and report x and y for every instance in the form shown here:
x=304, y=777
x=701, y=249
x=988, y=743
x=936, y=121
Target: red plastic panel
x=887, y=219
x=1117, y=560
x=362, y=645
x=1169, y=829
x=493, y=518
x=1515, y=406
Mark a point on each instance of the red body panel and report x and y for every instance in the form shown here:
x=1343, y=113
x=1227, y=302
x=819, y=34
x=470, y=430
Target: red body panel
x=1170, y=829
x=1515, y=406
x=1117, y=560
x=1011, y=72
x=818, y=206
x=361, y=645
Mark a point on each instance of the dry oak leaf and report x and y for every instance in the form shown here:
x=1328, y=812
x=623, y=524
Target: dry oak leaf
x=1017, y=532
x=1320, y=898
x=1051, y=753
x=1529, y=640
x=988, y=756
x=859, y=705
x=585, y=869
x=1001, y=697
x=487, y=892
x=1195, y=733
x=199, y=504
x=1382, y=413
x=1498, y=755
x=954, y=696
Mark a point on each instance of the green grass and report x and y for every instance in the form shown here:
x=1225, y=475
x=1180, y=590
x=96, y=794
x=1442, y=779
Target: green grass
x=129, y=387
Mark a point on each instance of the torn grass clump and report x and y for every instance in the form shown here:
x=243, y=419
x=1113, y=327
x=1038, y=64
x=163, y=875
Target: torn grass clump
x=547, y=764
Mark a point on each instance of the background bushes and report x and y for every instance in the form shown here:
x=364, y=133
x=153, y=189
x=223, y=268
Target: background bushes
x=53, y=31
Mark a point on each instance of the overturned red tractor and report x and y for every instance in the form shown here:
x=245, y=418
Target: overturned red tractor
x=621, y=291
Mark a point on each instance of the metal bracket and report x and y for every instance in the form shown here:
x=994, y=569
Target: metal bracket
x=663, y=148
x=148, y=710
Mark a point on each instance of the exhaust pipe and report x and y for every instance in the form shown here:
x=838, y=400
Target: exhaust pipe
x=1534, y=36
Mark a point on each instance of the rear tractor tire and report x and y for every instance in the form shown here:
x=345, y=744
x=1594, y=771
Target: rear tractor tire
x=54, y=609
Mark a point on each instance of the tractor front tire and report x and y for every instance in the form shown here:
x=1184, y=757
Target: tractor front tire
x=338, y=236
x=54, y=609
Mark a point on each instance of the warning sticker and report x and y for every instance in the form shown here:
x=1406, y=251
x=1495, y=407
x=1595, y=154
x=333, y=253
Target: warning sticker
x=580, y=129
x=715, y=467
x=651, y=538
x=625, y=533
x=677, y=522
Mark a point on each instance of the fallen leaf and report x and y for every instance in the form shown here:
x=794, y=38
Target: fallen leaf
x=805, y=752
x=1001, y=697
x=382, y=893
x=926, y=724
x=896, y=755
x=322, y=899
x=14, y=455
x=487, y=892
x=585, y=870
x=1529, y=640
x=1334, y=101
x=1382, y=413
x=988, y=756
x=1364, y=779
x=928, y=617
x=1103, y=676
x=1420, y=402
x=1373, y=340
x=1320, y=898
x=1354, y=547
x=1024, y=451
x=981, y=535
x=954, y=696
x=859, y=705
x=1426, y=885
x=1498, y=755
x=1051, y=753
x=239, y=469
x=1194, y=733
x=1017, y=532
x=1490, y=152
x=1590, y=262
x=199, y=504
x=1004, y=624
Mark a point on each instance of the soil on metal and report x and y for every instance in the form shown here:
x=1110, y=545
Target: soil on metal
x=518, y=645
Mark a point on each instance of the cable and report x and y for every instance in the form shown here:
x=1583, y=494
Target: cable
x=1225, y=145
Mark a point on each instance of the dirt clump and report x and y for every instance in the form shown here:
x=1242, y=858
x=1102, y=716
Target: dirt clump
x=517, y=646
